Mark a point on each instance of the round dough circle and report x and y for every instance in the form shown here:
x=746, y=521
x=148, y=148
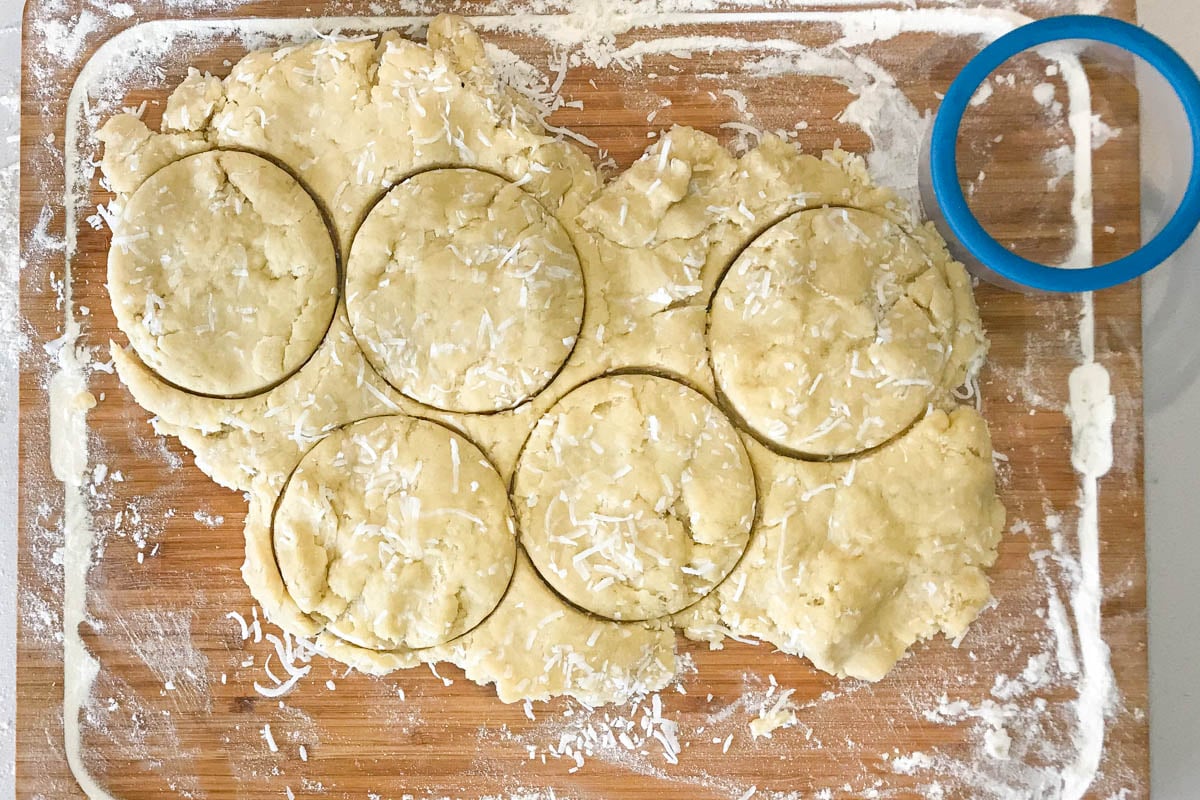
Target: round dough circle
x=830, y=332
x=396, y=532
x=464, y=292
x=222, y=274
x=635, y=496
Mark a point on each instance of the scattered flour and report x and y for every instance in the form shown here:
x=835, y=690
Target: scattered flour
x=1044, y=93
x=1102, y=132
x=1061, y=161
x=163, y=641
x=13, y=341
x=211, y=520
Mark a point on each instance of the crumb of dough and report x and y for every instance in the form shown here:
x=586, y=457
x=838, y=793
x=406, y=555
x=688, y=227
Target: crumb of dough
x=778, y=711
x=997, y=743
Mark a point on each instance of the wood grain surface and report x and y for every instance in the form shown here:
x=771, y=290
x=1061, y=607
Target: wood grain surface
x=162, y=620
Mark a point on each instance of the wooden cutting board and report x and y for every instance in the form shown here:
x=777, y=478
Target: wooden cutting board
x=174, y=710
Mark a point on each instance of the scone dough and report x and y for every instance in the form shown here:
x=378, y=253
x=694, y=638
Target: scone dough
x=464, y=292
x=396, y=532
x=831, y=332
x=222, y=273
x=853, y=561
x=635, y=496
x=839, y=563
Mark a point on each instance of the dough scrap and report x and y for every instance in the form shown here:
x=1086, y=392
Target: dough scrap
x=635, y=496
x=354, y=118
x=666, y=228
x=464, y=292
x=831, y=331
x=222, y=273
x=540, y=647
x=395, y=532
x=854, y=561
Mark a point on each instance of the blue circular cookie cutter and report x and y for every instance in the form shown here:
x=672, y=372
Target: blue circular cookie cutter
x=988, y=258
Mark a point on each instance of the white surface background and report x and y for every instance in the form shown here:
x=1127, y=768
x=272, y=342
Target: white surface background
x=1172, y=395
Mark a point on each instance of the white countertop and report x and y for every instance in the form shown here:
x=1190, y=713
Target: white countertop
x=1171, y=297
x=1172, y=397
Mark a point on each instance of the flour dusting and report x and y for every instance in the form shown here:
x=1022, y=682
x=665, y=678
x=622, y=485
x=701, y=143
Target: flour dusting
x=12, y=341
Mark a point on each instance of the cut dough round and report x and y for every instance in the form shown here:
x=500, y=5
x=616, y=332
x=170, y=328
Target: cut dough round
x=830, y=333
x=395, y=532
x=465, y=293
x=222, y=274
x=635, y=496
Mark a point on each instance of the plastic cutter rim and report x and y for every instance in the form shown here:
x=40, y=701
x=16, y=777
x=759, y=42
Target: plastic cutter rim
x=943, y=157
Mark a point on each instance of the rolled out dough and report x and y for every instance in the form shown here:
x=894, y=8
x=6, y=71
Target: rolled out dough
x=855, y=560
x=850, y=563
x=222, y=273
x=464, y=292
x=635, y=496
x=395, y=532
x=831, y=331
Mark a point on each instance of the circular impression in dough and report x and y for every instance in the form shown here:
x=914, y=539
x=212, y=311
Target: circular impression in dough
x=396, y=532
x=464, y=292
x=635, y=496
x=222, y=274
x=830, y=332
